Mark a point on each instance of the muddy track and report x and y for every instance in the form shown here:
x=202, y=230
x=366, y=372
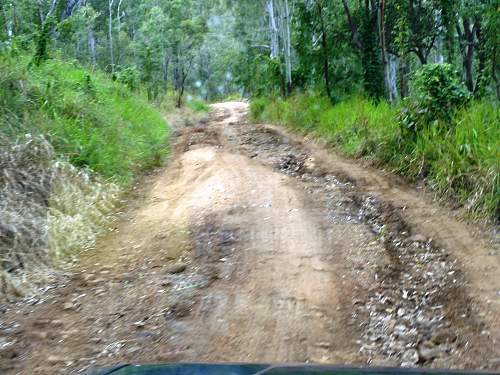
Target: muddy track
x=257, y=246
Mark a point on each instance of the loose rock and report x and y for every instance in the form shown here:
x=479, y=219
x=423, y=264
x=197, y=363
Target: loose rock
x=444, y=336
x=54, y=360
x=68, y=306
x=427, y=351
x=417, y=238
x=176, y=268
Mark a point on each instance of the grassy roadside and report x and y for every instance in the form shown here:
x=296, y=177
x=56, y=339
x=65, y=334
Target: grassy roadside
x=462, y=163
x=88, y=118
x=70, y=141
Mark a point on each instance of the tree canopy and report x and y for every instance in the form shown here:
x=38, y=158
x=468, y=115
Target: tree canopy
x=215, y=48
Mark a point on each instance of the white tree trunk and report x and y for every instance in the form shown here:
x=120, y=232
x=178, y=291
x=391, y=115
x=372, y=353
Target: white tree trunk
x=52, y=9
x=119, y=29
x=92, y=46
x=288, y=48
x=165, y=64
x=8, y=23
x=110, y=32
x=438, y=57
x=118, y=16
x=78, y=43
x=392, y=77
x=273, y=29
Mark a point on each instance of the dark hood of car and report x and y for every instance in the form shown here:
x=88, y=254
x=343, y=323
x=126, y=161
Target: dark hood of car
x=257, y=369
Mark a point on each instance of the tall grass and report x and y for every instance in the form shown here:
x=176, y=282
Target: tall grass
x=70, y=141
x=197, y=105
x=49, y=210
x=88, y=118
x=462, y=162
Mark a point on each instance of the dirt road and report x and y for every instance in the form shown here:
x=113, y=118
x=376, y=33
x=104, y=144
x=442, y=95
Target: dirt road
x=254, y=245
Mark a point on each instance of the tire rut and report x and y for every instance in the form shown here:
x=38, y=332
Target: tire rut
x=250, y=247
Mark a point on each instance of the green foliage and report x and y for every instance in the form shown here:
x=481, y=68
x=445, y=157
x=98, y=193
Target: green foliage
x=448, y=15
x=358, y=126
x=213, y=48
x=334, y=55
x=491, y=49
x=260, y=74
x=416, y=26
x=129, y=77
x=88, y=87
x=437, y=96
x=42, y=41
x=197, y=105
x=373, y=74
x=461, y=163
x=89, y=119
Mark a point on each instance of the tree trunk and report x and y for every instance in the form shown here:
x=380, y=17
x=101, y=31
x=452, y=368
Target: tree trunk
x=385, y=62
x=118, y=16
x=7, y=23
x=439, y=58
x=421, y=55
x=273, y=29
x=179, y=77
x=176, y=76
x=110, y=36
x=119, y=28
x=52, y=9
x=373, y=69
x=392, y=77
x=182, y=84
x=71, y=6
x=482, y=57
x=288, y=49
x=354, y=30
x=165, y=65
x=404, y=72
x=324, y=47
x=468, y=56
x=15, y=21
x=92, y=46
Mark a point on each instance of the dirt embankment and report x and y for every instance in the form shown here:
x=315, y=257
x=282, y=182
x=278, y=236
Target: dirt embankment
x=257, y=246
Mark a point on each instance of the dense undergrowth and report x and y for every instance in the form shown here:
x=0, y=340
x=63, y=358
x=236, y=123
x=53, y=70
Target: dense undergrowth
x=459, y=161
x=70, y=141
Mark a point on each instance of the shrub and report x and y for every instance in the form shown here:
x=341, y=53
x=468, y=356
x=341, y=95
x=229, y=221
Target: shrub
x=436, y=97
x=129, y=77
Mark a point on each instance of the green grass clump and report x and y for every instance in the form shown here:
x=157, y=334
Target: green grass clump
x=197, y=105
x=460, y=161
x=88, y=118
x=235, y=97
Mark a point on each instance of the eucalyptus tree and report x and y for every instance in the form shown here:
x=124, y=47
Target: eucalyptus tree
x=186, y=30
x=264, y=47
